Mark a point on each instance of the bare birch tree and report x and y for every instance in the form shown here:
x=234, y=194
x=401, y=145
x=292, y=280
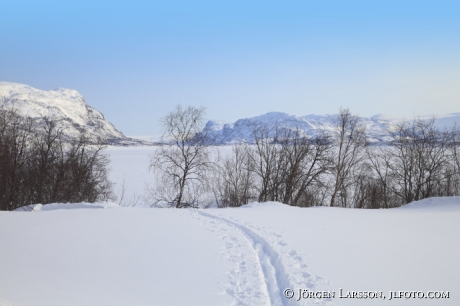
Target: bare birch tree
x=420, y=156
x=350, y=143
x=234, y=184
x=38, y=165
x=181, y=162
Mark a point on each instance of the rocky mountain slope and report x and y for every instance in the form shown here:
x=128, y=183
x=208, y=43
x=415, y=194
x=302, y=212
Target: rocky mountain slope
x=378, y=127
x=66, y=106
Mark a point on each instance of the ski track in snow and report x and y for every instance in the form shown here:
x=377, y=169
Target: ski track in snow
x=265, y=260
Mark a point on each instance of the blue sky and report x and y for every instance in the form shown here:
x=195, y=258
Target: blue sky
x=134, y=61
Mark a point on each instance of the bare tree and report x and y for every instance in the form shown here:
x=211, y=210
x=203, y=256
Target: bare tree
x=350, y=142
x=452, y=183
x=234, y=184
x=289, y=165
x=286, y=165
x=303, y=161
x=266, y=162
x=420, y=155
x=15, y=135
x=183, y=158
x=37, y=165
x=379, y=161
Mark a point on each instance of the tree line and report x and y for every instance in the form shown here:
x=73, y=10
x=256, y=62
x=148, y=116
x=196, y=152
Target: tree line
x=39, y=165
x=337, y=169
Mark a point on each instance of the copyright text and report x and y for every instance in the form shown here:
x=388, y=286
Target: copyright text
x=301, y=294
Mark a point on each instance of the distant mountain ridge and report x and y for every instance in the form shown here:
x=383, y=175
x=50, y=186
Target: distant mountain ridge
x=68, y=107
x=378, y=127
x=74, y=115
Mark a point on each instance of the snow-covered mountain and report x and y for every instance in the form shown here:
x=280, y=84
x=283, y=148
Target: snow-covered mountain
x=378, y=127
x=65, y=105
x=75, y=115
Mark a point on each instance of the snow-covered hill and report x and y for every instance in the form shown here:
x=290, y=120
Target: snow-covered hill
x=65, y=105
x=377, y=127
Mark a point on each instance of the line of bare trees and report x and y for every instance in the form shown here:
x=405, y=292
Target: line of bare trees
x=338, y=169
x=421, y=162
x=37, y=165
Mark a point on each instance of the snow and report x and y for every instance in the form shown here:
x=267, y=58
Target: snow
x=104, y=254
x=410, y=248
x=70, y=108
x=66, y=105
x=148, y=138
x=378, y=127
x=242, y=256
x=130, y=165
x=109, y=257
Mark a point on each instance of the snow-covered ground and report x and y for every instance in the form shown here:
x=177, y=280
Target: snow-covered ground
x=103, y=254
x=130, y=166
